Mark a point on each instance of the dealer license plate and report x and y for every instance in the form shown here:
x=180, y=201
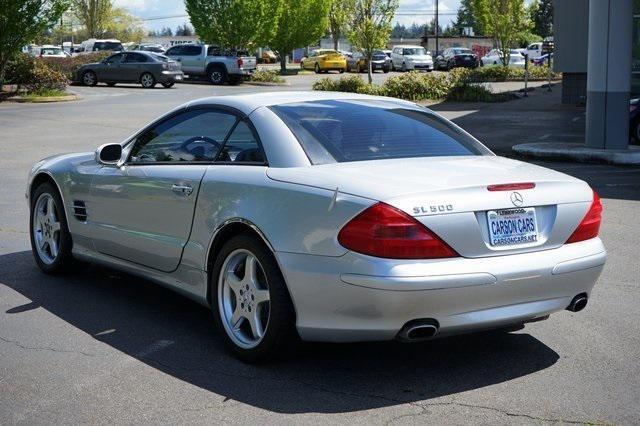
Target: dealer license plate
x=512, y=226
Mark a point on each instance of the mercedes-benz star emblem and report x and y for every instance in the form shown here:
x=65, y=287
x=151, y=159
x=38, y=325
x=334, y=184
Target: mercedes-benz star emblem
x=516, y=199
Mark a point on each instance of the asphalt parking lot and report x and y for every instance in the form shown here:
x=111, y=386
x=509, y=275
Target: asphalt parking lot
x=98, y=346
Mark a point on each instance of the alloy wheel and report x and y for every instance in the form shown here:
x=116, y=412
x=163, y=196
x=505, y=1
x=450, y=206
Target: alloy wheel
x=46, y=229
x=89, y=79
x=216, y=77
x=147, y=80
x=243, y=298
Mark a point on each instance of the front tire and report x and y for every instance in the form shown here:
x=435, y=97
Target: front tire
x=49, y=233
x=250, y=301
x=89, y=78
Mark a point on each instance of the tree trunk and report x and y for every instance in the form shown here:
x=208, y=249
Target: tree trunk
x=369, y=68
x=283, y=64
x=336, y=40
x=3, y=65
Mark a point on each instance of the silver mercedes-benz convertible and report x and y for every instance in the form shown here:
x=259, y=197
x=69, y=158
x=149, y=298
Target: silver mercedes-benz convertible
x=326, y=217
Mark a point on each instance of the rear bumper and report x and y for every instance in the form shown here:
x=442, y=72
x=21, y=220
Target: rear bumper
x=360, y=298
x=424, y=66
x=170, y=76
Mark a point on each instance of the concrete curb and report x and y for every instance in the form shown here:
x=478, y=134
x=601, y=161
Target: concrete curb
x=264, y=83
x=580, y=153
x=43, y=99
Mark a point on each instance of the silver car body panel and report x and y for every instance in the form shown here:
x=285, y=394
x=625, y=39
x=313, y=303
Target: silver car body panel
x=136, y=223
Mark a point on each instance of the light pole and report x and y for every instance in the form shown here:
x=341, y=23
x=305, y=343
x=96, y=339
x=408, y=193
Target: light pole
x=436, y=29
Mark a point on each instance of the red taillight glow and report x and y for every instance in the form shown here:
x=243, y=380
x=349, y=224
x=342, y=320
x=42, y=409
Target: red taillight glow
x=511, y=186
x=384, y=231
x=590, y=225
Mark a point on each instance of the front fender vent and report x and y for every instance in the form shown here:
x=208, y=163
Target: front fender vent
x=80, y=210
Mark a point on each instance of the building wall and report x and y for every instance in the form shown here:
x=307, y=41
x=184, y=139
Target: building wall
x=571, y=36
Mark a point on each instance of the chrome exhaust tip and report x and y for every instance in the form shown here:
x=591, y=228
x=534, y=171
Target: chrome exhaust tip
x=417, y=330
x=578, y=303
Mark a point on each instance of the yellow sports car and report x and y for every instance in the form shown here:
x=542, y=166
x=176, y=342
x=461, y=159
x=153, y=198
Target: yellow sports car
x=323, y=60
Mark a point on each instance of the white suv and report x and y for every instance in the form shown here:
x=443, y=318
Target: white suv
x=406, y=58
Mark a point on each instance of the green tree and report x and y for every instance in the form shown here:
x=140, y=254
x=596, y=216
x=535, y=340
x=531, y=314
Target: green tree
x=94, y=15
x=541, y=13
x=371, y=26
x=505, y=20
x=123, y=26
x=304, y=23
x=467, y=18
x=21, y=21
x=340, y=13
x=235, y=23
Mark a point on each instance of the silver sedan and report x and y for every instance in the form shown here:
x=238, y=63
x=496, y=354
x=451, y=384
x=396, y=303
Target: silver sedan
x=325, y=217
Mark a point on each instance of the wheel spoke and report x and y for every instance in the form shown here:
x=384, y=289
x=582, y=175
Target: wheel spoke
x=41, y=241
x=53, y=247
x=55, y=227
x=250, y=270
x=236, y=318
x=233, y=281
x=261, y=295
x=256, y=325
x=51, y=210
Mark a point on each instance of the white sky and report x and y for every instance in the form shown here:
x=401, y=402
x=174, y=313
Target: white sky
x=408, y=12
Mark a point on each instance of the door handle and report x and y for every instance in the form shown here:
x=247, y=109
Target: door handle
x=182, y=189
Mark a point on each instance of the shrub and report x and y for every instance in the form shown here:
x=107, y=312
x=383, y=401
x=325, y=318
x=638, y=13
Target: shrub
x=500, y=73
x=416, y=86
x=34, y=75
x=266, y=76
x=69, y=66
x=349, y=83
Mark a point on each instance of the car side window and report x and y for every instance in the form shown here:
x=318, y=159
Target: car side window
x=195, y=135
x=242, y=146
x=115, y=59
x=175, y=50
x=192, y=50
x=135, y=57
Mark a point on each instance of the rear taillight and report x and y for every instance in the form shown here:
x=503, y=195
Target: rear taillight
x=384, y=231
x=240, y=62
x=590, y=224
x=511, y=186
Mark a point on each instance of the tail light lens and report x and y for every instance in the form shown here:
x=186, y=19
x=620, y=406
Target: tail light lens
x=384, y=231
x=240, y=62
x=590, y=224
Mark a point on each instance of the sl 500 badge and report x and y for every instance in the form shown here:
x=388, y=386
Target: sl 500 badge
x=438, y=208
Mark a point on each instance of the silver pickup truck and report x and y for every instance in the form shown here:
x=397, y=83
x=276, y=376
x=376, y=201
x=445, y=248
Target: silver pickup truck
x=219, y=66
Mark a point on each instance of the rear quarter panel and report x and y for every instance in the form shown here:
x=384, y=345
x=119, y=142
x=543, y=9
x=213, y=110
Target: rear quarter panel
x=293, y=218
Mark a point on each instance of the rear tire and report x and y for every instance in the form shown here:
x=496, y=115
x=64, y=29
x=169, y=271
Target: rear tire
x=217, y=75
x=48, y=230
x=147, y=80
x=274, y=314
x=168, y=85
x=111, y=84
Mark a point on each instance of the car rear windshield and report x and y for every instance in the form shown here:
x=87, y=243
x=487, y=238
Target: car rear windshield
x=107, y=45
x=355, y=130
x=414, y=51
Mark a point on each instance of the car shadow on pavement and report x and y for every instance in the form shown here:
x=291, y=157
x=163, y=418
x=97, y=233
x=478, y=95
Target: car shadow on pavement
x=176, y=336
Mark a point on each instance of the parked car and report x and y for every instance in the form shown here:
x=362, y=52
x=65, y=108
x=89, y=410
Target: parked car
x=146, y=47
x=534, y=50
x=407, y=58
x=326, y=216
x=49, y=51
x=324, y=60
x=99, y=45
x=542, y=60
x=494, y=57
x=269, y=57
x=145, y=68
x=218, y=65
x=357, y=62
x=453, y=57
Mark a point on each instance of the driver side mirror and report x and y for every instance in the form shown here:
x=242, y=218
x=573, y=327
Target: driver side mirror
x=109, y=153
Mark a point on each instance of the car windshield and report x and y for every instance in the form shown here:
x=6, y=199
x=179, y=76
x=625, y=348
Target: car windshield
x=378, y=55
x=414, y=51
x=354, y=130
x=50, y=51
x=461, y=51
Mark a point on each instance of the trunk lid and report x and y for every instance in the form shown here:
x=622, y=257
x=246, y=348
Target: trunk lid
x=449, y=195
x=248, y=62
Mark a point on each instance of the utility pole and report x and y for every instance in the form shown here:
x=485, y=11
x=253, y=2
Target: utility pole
x=437, y=26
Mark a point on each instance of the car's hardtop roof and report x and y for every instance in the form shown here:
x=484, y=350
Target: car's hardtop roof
x=409, y=46
x=249, y=102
